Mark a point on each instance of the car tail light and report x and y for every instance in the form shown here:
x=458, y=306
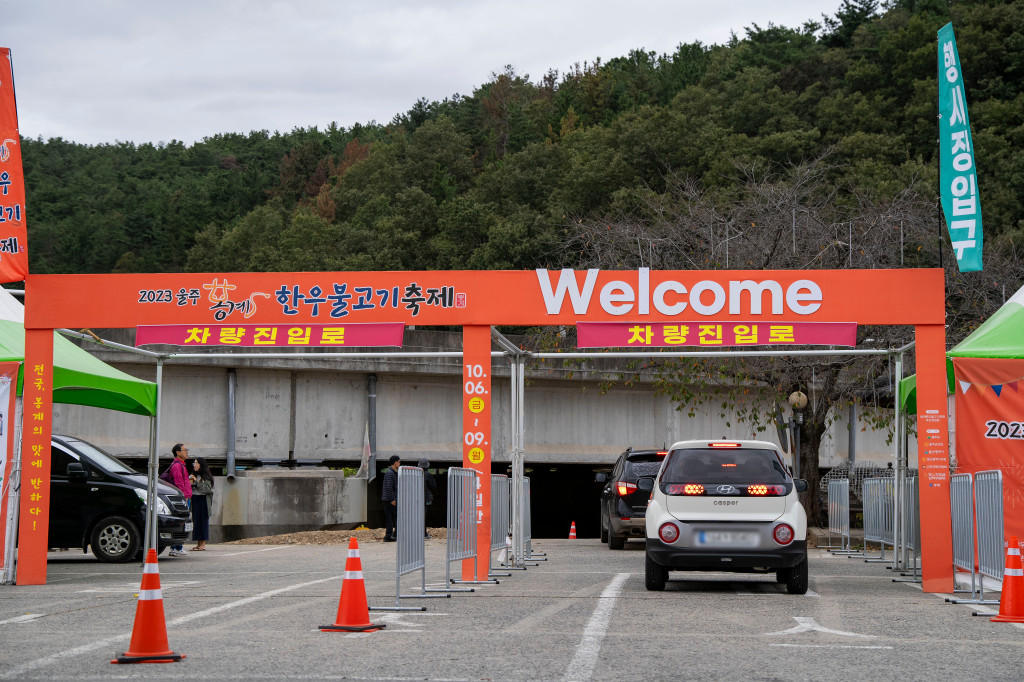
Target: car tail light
x=662, y=453
x=783, y=534
x=624, y=489
x=761, y=490
x=684, y=489
x=668, y=533
x=723, y=445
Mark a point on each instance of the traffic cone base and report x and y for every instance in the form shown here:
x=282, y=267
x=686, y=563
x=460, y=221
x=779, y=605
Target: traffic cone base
x=353, y=609
x=149, y=635
x=1011, y=600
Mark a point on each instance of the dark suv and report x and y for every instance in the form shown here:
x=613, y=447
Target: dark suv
x=98, y=501
x=624, y=497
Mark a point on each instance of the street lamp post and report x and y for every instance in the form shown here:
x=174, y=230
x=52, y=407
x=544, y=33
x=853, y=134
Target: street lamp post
x=797, y=401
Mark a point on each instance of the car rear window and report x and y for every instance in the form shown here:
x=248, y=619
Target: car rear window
x=739, y=465
x=643, y=464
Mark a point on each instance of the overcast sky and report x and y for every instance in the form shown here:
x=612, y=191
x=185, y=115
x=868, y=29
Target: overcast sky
x=136, y=70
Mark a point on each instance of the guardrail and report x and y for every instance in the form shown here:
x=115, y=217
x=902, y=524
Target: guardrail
x=879, y=496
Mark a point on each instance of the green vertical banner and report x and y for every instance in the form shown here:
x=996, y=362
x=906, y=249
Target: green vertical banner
x=958, y=180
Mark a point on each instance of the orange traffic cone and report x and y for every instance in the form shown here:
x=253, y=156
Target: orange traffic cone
x=149, y=636
x=572, y=531
x=1011, y=601
x=353, y=610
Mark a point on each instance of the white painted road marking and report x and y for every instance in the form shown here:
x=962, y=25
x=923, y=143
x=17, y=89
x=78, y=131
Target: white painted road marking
x=134, y=587
x=806, y=624
x=250, y=551
x=834, y=646
x=20, y=671
x=582, y=665
x=21, y=619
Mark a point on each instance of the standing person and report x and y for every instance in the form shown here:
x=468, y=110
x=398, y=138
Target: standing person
x=202, y=502
x=429, y=486
x=389, y=496
x=177, y=475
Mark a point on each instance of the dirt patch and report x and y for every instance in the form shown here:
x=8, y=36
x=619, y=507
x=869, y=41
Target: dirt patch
x=328, y=537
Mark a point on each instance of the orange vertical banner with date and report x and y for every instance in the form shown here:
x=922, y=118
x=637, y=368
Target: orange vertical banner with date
x=476, y=438
x=13, y=237
x=37, y=410
x=933, y=460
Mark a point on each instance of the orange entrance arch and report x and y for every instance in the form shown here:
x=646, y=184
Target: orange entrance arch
x=477, y=300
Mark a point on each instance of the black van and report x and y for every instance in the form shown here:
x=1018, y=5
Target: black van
x=96, y=500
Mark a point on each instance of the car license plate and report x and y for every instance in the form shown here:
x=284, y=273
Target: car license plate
x=188, y=526
x=726, y=538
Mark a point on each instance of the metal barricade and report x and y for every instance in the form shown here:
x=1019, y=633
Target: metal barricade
x=839, y=514
x=961, y=504
x=501, y=522
x=461, y=525
x=528, y=527
x=410, y=541
x=988, y=514
x=885, y=512
x=910, y=532
x=977, y=508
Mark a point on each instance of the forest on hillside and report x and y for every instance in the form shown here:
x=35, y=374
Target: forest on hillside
x=504, y=177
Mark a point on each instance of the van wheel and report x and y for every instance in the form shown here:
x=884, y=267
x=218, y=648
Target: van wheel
x=115, y=539
x=796, y=579
x=616, y=541
x=655, y=575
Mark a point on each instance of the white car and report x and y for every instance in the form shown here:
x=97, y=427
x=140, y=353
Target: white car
x=726, y=506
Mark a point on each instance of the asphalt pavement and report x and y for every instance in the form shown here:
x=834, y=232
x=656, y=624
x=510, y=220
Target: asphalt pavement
x=253, y=612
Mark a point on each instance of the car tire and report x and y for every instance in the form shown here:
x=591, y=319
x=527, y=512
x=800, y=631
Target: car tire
x=616, y=541
x=604, y=531
x=796, y=578
x=115, y=539
x=655, y=575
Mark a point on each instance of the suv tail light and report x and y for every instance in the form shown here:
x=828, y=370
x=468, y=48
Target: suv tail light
x=783, y=534
x=668, y=533
x=723, y=445
x=624, y=489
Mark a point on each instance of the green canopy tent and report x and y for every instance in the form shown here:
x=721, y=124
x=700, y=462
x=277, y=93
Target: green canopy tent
x=1000, y=336
x=80, y=378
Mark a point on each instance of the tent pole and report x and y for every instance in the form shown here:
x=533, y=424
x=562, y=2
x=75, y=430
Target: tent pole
x=13, y=496
x=152, y=519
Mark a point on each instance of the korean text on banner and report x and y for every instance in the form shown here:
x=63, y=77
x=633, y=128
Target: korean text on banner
x=8, y=384
x=13, y=239
x=958, y=179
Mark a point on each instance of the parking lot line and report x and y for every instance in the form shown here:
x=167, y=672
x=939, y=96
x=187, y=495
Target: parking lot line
x=582, y=665
x=111, y=641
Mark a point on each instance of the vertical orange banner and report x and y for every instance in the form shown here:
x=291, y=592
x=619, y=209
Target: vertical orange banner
x=476, y=437
x=8, y=394
x=13, y=237
x=933, y=459
x=37, y=408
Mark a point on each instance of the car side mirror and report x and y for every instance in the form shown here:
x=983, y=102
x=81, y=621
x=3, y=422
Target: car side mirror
x=801, y=485
x=601, y=477
x=645, y=484
x=76, y=472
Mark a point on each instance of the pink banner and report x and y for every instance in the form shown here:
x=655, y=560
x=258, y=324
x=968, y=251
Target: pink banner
x=361, y=335
x=661, y=334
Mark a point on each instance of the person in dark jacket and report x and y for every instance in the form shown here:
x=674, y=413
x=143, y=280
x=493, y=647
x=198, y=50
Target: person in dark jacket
x=429, y=486
x=389, y=496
